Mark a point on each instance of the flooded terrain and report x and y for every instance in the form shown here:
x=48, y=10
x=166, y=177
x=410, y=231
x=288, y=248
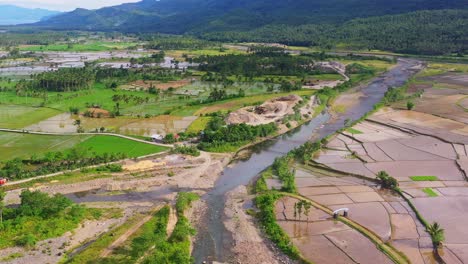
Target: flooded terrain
x=425, y=149
x=51, y=61
x=213, y=240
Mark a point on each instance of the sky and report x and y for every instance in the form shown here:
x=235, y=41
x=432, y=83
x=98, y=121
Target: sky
x=65, y=5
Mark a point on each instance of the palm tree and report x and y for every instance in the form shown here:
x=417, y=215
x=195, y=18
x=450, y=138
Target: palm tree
x=437, y=234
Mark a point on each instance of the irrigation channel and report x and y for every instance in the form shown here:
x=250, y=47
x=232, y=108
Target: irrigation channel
x=213, y=241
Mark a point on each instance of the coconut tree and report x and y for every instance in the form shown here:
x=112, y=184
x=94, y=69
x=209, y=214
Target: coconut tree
x=437, y=234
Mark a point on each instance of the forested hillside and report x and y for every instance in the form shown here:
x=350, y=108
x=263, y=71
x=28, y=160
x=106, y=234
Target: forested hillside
x=425, y=32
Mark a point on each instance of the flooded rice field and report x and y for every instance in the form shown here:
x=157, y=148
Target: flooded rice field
x=428, y=155
x=50, y=61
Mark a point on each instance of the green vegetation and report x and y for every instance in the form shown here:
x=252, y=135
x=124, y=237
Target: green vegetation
x=413, y=33
x=19, y=116
x=187, y=150
x=52, y=162
x=353, y=131
x=110, y=144
x=198, y=125
x=41, y=217
x=282, y=168
x=92, y=251
x=150, y=243
x=95, y=150
x=387, y=181
x=267, y=217
x=11, y=257
x=218, y=136
x=424, y=178
x=305, y=152
x=176, y=249
x=437, y=234
x=430, y=192
x=21, y=145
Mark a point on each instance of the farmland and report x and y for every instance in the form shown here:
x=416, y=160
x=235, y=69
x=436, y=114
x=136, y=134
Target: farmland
x=13, y=145
x=423, y=149
x=208, y=107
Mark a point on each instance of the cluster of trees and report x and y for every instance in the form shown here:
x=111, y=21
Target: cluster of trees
x=53, y=162
x=187, y=150
x=159, y=42
x=305, y=152
x=357, y=68
x=253, y=65
x=32, y=220
x=154, y=58
x=282, y=168
x=34, y=38
x=217, y=133
x=132, y=74
x=62, y=80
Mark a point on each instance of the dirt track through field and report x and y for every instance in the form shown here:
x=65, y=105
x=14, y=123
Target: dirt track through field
x=119, y=241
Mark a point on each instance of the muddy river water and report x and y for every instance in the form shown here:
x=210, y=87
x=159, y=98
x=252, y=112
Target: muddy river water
x=213, y=241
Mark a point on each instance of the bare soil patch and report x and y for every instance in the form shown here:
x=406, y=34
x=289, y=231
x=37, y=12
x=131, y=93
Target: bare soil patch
x=268, y=112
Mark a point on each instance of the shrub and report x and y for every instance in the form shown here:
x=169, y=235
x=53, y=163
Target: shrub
x=187, y=150
x=386, y=181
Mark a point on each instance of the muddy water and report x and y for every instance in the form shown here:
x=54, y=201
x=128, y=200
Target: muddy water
x=213, y=240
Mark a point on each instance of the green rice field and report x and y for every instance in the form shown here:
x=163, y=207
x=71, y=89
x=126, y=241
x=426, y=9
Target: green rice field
x=14, y=145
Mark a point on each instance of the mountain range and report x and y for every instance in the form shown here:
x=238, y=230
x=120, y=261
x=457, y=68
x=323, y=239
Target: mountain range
x=406, y=26
x=13, y=15
x=182, y=16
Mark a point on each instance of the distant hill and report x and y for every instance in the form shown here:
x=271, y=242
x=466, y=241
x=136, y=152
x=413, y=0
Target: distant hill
x=14, y=15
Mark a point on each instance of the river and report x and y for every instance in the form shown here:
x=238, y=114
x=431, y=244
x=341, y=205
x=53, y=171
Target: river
x=213, y=241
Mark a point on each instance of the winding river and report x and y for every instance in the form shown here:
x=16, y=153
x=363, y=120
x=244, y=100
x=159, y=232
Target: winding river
x=213, y=241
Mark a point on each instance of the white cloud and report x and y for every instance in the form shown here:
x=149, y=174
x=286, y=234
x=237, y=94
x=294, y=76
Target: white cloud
x=65, y=5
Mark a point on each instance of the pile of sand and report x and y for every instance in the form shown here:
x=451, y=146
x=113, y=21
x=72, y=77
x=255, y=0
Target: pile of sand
x=270, y=111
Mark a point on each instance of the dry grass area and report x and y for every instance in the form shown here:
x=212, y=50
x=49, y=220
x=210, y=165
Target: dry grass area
x=162, y=124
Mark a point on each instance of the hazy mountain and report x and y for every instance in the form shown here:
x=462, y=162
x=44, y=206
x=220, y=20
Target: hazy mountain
x=180, y=16
x=13, y=15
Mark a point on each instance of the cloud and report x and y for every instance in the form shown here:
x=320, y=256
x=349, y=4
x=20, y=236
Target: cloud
x=65, y=5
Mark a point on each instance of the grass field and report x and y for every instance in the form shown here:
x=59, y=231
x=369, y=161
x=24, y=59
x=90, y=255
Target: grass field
x=13, y=145
x=378, y=65
x=178, y=54
x=353, y=131
x=110, y=144
x=198, y=125
x=17, y=116
x=424, y=178
x=440, y=68
x=430, y=192
x=92, y=46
